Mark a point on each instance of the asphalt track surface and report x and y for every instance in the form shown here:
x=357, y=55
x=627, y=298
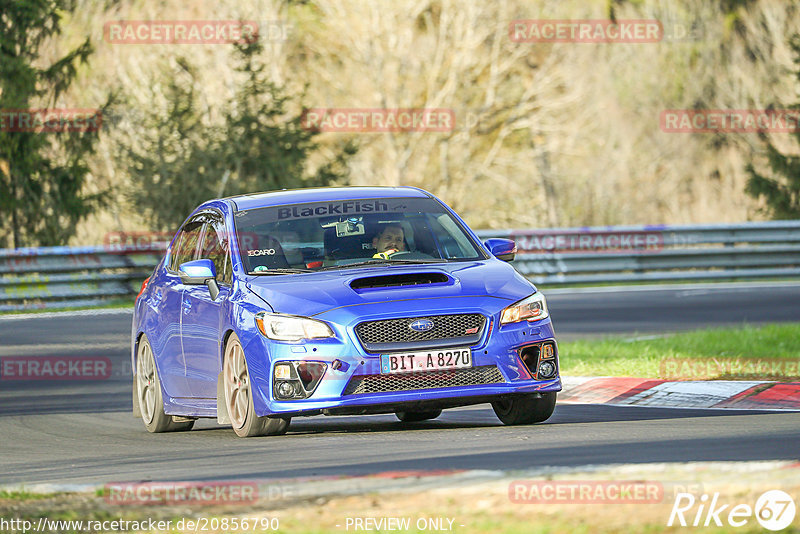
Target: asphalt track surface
x=82, y=432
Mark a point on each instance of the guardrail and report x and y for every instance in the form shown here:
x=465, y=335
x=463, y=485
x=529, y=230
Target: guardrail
x=630, y=254
x=53, y=277
x=85, y=276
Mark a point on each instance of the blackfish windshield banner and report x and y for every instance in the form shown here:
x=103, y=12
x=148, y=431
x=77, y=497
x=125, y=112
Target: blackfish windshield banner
x=343, y=208
x=322, y=209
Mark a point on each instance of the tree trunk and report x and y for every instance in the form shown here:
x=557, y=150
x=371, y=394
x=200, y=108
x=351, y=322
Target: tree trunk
x=16, y=241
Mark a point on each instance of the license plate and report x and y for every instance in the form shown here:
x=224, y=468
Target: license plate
x=428, y=360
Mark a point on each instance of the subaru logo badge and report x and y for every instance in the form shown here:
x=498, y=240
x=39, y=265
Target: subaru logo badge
x=421, y=325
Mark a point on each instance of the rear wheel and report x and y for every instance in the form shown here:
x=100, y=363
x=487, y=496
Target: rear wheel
x=525, y=409
x=413, y=417
x=148, y=393
x=239, y=398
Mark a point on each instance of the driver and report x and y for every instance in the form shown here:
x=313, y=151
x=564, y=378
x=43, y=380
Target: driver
x=390, y=240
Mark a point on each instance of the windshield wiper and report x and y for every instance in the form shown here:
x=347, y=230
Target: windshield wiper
x=379, y=261
x=417, y=261
x=280, y=271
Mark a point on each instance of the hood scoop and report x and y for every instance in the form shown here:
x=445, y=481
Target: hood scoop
x=399, y=280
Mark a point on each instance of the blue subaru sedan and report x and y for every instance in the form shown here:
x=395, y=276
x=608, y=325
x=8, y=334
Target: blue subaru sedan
x=337, y=301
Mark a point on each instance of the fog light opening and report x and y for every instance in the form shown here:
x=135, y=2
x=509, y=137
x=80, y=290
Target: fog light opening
x=283, y=371
x=286, y=390
x=547, y=369
x=310, y=374
x=294, y=380
x=530, y=357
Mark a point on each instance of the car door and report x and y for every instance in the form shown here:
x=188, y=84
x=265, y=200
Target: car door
x=202, y=316
x=169, y=349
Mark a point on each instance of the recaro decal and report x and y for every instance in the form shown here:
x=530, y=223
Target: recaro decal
x=261, y=252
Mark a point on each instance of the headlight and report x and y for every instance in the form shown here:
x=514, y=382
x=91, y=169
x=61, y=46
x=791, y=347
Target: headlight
x=533, y=308
x=291, y=327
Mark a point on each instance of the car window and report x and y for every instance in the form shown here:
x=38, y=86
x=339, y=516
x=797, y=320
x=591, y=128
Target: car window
x=453, y=242
x=340, y=233
x=215, y=248
x=186, y=244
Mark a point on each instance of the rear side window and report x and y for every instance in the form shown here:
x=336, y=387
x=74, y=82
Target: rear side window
x=186, y=244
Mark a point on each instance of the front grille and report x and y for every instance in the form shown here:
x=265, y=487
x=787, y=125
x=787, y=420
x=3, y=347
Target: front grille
x=474, y=376
x=395, y=334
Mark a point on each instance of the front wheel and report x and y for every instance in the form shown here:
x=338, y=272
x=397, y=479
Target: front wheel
x=239, y=397
x=525, y=409
x=148, y=394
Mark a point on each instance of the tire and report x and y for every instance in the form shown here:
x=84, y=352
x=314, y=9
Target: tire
x=148, y=393
x=414, y=417
x=525, y=409
x=239, y=398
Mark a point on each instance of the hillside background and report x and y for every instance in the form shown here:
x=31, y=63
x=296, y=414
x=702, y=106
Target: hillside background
x=547, y=134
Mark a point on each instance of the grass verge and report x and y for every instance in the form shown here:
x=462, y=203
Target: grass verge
x=22, y=495
x=770, y=352
x=491, y=505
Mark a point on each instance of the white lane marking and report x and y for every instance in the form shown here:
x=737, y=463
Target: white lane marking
x=645, y=338
x=669, y=287
x=694, y=293
x=51, y=349
x=665, y=407
x=67, y=313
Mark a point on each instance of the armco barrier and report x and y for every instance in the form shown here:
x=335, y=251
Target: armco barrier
x=51, y=277
x=626, y=254
x=85, y=276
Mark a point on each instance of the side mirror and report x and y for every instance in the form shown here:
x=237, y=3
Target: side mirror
x=502, y=249
x=199, y=272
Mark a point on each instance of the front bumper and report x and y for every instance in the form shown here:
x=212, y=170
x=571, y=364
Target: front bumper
x=421, y=400
x=499, y=347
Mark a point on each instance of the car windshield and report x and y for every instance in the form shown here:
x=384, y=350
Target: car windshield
x=339, y=234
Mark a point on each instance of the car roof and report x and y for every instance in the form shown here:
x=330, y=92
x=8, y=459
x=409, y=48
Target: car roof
x=322, y=194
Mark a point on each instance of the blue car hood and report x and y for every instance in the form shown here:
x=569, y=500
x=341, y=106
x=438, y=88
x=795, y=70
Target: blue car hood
x=314, y=293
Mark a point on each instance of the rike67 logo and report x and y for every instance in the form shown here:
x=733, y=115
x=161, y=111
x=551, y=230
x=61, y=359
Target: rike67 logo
x=774, y=510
